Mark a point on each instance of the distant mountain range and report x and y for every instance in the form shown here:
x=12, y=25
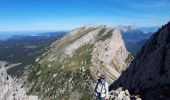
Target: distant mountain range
x=12, y=35
x=134, y=38
x=148, y=29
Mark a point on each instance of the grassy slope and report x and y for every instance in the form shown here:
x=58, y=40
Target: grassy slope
x=69, y=69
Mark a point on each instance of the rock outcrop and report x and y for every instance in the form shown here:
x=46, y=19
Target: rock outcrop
x=149, y=73
x=9, y=89
x=121, y=94
x=110, y=57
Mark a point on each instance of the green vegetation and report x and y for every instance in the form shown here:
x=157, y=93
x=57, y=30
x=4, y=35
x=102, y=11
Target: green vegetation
x=25, y=50
x=106, y=36
x=129, y=58
x=61, y=79
x=102, y=32
x=81, y=58
x=69, y=40
x=101, y=36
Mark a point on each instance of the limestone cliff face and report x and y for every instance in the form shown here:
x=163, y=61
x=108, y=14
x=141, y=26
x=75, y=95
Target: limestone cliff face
x=72, y=65
x=149, y=73
x=9, y=89
x=110, y=56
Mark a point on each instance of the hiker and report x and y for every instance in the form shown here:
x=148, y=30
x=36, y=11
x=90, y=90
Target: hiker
x=101, y=89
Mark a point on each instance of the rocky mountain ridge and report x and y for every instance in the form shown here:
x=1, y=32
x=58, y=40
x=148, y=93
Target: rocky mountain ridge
x=148, y=75
x=71, y=66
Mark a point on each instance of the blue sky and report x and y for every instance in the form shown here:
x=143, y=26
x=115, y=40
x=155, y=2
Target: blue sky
x=49, y=15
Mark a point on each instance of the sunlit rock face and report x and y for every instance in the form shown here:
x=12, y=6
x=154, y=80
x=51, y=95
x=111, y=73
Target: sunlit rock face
x=110, y=56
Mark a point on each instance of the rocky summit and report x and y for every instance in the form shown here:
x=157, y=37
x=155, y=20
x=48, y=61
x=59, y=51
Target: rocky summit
x=69, y=69
x=149, y=74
